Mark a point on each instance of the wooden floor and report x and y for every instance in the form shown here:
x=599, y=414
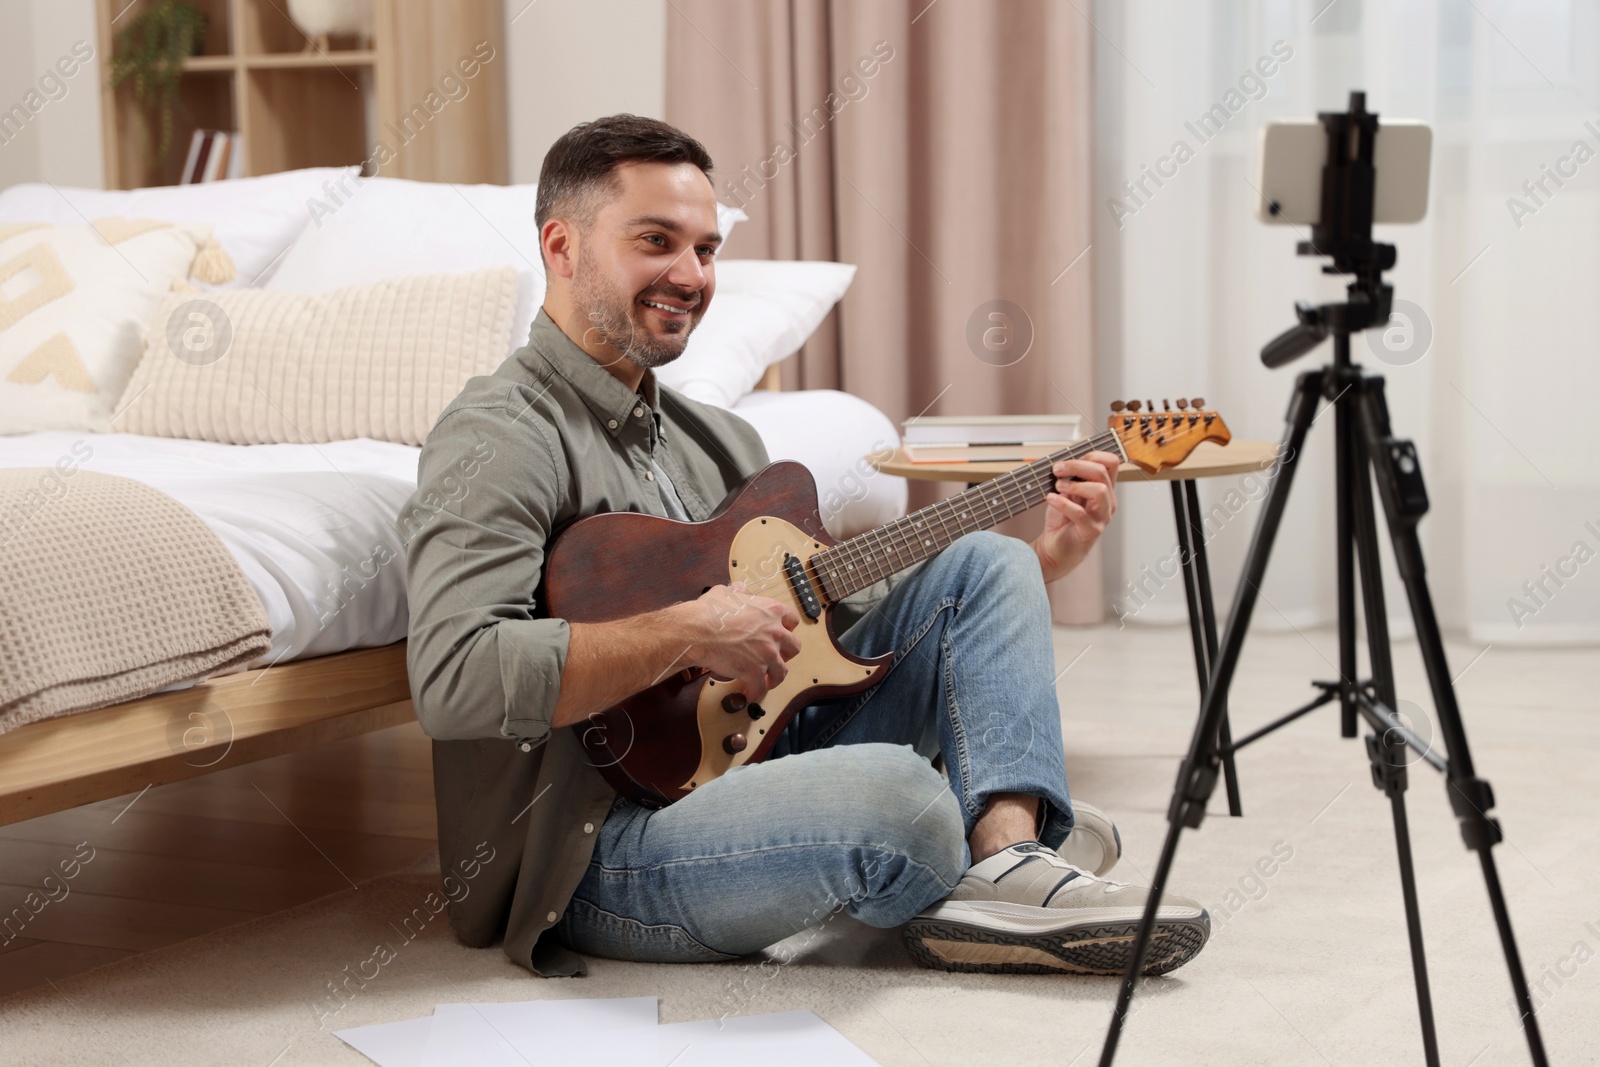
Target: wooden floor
x=183, y=859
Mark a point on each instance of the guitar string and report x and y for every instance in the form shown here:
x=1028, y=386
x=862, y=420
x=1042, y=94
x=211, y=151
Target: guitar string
x=1008, y=490
x=1012, y=490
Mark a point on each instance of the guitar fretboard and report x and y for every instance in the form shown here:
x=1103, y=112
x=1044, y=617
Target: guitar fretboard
x=855, y=564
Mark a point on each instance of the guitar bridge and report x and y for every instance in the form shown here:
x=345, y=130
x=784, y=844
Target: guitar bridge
x=802, y=585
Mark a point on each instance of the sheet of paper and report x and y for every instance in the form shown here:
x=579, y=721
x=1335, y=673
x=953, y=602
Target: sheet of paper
x=390, y=1044
x=786, y=1039
x=518, y=1033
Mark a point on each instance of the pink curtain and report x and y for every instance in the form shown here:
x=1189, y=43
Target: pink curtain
x=943, y=148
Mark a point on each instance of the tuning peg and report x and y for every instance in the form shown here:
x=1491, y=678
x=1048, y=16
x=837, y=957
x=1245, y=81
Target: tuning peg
x=1166, y=405
x=1150, y=405
x=1198, y=402
x=1133, y=405
x=1182, y=403
x=1117, y=405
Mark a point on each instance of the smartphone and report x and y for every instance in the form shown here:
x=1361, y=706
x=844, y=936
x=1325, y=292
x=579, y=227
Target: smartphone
x=1293, y=154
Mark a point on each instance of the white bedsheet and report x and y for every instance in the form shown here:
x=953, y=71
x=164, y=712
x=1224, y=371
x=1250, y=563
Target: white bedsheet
x=313, y=526
x=308, y=524
x=830, y=432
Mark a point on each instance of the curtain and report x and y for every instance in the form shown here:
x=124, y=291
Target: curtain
x=944, y=148
x=1490, y=360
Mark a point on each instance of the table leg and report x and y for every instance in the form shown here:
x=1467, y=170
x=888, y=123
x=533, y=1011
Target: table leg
x=1202, y=613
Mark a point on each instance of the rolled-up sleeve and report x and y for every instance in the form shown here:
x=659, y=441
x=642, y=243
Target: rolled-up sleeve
x=482, y=663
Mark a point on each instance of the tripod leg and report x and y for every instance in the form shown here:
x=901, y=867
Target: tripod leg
x=1345, y=462
x=1405, y=501
x=1386, y=751
x=1197, y=776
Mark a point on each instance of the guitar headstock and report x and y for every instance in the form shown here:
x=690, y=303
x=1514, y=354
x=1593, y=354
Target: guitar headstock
x=1154, y=440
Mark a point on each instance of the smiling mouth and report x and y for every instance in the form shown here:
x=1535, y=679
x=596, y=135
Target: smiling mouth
x=669, y=309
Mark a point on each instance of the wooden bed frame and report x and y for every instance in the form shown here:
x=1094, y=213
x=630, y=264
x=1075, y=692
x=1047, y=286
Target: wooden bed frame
x=95, y=755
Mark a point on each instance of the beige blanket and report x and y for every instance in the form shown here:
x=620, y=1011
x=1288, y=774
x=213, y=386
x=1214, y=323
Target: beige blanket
x=111, y=590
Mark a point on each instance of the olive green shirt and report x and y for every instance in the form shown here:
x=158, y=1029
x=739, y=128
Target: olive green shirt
x=520, y=454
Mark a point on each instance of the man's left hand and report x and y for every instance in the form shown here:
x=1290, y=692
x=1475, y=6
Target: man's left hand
x=1076, y=514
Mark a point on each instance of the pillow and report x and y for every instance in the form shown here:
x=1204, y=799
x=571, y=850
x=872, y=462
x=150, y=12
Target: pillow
x=254, y=219
x=387, y=227
x=253, y=366
x=74, y=301
x=762, y=312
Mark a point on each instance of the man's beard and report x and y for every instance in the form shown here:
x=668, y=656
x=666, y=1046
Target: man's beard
x=615, y=316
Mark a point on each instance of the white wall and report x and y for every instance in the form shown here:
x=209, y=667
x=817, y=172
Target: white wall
x=60, y=143
x=573, y=60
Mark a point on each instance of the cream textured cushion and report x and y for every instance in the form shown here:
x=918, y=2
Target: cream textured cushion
x=74, y=301
x=249, y=367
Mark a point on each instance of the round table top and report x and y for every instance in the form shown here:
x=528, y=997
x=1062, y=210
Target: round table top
x=1208, y=460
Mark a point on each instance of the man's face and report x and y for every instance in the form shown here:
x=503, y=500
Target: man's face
x=644, y=276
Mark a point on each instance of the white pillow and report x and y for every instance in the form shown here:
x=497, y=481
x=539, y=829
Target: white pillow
x=74, y=305
x=388, y=227
x=762, y=312
x=253, y=219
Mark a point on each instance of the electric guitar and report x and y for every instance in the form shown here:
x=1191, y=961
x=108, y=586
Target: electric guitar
x=689, y=728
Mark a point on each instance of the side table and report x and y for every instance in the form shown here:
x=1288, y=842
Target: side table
x=1208, y=460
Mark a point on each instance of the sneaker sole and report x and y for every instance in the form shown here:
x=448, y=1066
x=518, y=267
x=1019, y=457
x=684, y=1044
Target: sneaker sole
x=1100, y=948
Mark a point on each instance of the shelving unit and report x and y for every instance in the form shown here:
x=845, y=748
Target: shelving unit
x=295, y=108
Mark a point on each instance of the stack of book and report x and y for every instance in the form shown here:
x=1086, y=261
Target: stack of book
x=987, y=438
x=213, y=154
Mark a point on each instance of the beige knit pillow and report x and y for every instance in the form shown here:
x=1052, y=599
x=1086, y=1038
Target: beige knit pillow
x=252, y=366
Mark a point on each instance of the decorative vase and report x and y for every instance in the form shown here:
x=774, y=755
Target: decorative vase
x=317, y=19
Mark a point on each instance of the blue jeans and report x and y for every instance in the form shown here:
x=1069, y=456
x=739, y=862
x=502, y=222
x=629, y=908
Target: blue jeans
x=848, y=813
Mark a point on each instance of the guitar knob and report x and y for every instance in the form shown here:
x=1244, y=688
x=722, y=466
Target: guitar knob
x=1198, y=402
x=1133, y=405
x=756, y=711
x=734, y=702
x=734, y=743
x=1117, y=405
x=1182, y=403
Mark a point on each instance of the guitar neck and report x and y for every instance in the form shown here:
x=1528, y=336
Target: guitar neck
x=853, y=565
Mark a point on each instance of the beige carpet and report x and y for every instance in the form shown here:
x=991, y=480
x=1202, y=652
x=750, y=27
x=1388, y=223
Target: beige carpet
x=1308, y=965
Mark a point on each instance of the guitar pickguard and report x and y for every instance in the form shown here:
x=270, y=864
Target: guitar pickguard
x=756, y=557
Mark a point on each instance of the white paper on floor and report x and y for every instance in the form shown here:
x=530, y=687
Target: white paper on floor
x=618, y=1032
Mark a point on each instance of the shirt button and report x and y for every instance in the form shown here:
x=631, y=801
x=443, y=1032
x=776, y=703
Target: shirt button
x=552, y=917
x=650, y=475
x=611, y=424
x=637, y=412
x=588, y=827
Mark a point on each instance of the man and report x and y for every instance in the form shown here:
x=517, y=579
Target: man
x=848, y=813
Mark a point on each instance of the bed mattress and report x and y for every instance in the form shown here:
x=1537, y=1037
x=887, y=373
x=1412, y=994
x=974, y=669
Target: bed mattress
x=313, y=526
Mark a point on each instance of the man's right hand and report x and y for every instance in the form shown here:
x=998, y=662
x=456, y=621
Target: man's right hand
x=737, y=635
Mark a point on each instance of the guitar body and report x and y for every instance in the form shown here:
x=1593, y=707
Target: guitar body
x=664, y=742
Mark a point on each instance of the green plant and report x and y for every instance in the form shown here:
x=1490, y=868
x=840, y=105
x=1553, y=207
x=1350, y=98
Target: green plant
x=151, y=50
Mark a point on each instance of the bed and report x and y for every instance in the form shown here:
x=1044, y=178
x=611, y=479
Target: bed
x=299, y=519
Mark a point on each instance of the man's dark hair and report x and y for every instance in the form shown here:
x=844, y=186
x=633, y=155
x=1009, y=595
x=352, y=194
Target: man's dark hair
x=578, y=171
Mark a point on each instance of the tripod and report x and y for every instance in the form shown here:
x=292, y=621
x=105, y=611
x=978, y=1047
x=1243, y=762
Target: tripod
x=1365, y=451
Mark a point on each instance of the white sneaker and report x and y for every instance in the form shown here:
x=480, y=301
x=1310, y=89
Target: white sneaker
x=1025, y=910
x=1094, y=843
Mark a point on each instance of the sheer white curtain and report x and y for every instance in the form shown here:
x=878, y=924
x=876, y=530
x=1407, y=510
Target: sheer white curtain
x=1495, y=370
